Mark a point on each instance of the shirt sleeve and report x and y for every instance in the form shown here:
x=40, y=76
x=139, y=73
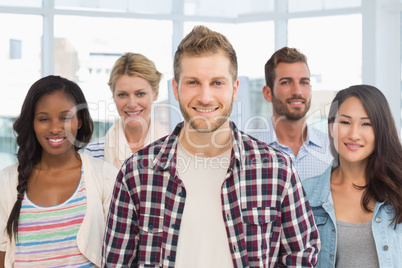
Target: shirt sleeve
x=121, y=234
x=300, y=241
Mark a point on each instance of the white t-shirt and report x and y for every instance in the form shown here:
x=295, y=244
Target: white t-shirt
x=203, y=241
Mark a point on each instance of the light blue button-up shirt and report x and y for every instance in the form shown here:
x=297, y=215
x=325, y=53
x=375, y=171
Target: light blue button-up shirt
x=314, y=156
x=388, y=241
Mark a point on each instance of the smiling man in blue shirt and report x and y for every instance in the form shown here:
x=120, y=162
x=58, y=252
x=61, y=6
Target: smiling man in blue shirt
x=288, y=88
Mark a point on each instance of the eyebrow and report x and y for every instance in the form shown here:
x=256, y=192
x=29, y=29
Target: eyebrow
x=66, y=111
x=290, y=78
x=348, y=116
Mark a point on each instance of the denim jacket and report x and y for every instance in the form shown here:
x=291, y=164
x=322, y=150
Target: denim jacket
x=388, y=241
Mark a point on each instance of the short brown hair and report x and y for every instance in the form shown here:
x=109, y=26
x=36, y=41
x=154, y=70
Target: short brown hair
x=286, y=55
x=135, y=64
x=202, y=40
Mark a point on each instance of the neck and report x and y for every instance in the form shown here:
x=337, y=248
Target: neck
x=60, y=162
x=206, y=144
x=290, y=133
x=136, y=135
x=351, y=173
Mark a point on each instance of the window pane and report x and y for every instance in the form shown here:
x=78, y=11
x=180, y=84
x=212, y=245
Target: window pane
x=21, y=3
x=311, y=5
x=333, y=46
x=87, y=56
x=131, y=6
x=20, y=60
x=255, y=6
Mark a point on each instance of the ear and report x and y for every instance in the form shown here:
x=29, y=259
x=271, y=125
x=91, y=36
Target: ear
x=331, y=129
x=156, y=93
x=175, y=89
x=235, y=89
x=266, y=91
x=79, y=123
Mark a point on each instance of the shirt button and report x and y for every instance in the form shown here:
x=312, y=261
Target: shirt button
x=378, y=219
x=150, y=226
x=332, y=256
x=333, y=230
x=234, y=249
x=259, y=220
x=385, y=247
x=174, y=226
x=228, y=217
x=181, y=194
x=170, y=258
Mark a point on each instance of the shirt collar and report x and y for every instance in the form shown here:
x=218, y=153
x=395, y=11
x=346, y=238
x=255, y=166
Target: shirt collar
x=312, y=135
x=168, y=147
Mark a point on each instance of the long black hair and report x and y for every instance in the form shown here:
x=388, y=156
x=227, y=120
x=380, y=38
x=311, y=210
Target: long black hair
x=30, y=151
x=384, y=168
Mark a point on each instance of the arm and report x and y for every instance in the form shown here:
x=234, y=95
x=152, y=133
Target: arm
x=119, y=245
x=2, y=258
x=300, y=242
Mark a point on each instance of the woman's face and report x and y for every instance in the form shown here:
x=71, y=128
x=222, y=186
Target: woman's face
x=353, y=133
x=133, y=96
x=55, y=123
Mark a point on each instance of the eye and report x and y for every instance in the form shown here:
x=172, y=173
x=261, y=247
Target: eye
x=285, y=82
x=43, y=119
x=67, y=118
x=218, y=83
x=191, y=82
x=121, y=95
x=140, y=94
x=306, y=83
x=343, y=122
x=367, y=124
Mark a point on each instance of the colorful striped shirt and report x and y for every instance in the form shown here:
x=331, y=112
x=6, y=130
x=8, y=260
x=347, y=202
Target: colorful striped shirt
x=47, y=236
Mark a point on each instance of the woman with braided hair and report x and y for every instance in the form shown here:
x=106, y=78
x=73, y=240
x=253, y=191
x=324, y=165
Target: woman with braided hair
x=54, y=201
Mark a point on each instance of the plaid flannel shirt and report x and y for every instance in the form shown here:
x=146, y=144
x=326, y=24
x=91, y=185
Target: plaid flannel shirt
x=268, y=219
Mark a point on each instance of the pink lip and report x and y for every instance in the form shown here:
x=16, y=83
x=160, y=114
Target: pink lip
x=353, y=146
x=56, y=141
x=137, y=113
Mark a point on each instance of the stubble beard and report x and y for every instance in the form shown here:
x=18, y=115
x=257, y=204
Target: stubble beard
x=281, y=110
x=203, y=124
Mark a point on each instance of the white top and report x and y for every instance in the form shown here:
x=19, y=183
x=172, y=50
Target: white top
x=114, y=147
x=99, y=179
x=203, y=241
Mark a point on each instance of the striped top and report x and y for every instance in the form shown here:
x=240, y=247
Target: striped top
x=47, y=236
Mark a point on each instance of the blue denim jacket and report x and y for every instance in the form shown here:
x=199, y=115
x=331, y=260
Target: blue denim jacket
x=388, y=240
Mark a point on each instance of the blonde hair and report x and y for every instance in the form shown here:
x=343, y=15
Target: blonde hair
x=135, y=64
x=200, y=41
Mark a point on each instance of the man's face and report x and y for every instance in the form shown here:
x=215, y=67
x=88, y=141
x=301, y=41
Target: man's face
x=205, y=91
x=291, y=95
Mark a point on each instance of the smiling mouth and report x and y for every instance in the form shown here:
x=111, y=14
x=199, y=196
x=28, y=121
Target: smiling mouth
x=353, y=145
x=133, y=113
x=205, y=110
x=56, y=140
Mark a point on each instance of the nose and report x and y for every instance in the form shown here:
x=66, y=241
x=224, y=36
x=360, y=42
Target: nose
x=132, y=102
x=354, y=134
x=205, y=94
x=296, y=89
x=56, y=127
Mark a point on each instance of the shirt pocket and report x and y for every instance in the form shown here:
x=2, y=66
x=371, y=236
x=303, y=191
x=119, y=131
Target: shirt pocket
x=259, y=224
x=150, y=239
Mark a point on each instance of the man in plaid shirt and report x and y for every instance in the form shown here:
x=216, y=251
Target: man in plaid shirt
x=208, y=195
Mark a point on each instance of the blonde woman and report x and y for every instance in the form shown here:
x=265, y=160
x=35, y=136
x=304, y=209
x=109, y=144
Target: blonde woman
x=134, y=82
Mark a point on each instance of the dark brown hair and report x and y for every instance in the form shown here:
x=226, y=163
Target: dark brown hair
x=30, y=151
x=384, y=168
x=286, y=55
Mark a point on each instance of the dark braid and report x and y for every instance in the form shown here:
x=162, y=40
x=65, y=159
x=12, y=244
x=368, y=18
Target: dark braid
x=30, y=151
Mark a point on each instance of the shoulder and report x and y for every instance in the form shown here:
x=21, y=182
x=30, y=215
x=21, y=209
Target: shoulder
x=96, y=148
x=97, y=167
x=10, y=171
x=318, y=184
